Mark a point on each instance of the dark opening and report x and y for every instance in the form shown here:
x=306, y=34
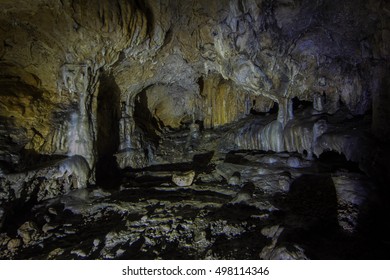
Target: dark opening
x=108, y=114
x=142, y=6
x=18, y=211
x=201, y=124
x=201, y=84
x=341, y=103
x=144, y=119
x=313, y=199
x=301, y=104
x=273, y=110
x=332, y=161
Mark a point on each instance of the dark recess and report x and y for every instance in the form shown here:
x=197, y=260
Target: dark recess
x=108, y=114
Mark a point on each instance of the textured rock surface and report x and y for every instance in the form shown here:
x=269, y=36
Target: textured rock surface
x=46, y=182
x=182, y=61
x=151, y=217
x=183, y=179
x=251, y=96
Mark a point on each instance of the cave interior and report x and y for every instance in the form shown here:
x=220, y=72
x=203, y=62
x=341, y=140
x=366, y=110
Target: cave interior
x=167, y=129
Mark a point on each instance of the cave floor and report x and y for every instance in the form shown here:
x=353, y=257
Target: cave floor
x=289, y=208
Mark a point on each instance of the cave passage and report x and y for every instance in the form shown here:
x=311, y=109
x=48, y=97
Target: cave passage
x=108, y=114
x=194, y=129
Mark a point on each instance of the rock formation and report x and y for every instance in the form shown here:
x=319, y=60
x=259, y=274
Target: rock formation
x=249, y=97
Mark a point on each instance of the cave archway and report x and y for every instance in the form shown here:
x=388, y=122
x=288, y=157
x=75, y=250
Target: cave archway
x=332, y=161
x=108, y=114
x=144, y=118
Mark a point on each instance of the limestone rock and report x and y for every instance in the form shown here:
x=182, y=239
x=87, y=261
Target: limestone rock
x=223, y=102
x=294, y=162
x=353, y=195
x=55, y=253
x=235, y=179
x=183, y=179
x=135, y=158
x=47, y=227
x=179, y=62
x=103, y=91
x=48, y=181
x=28, y=232
x=14, y=245
x=227, y=170
x=272, y=231
x=4, y=239
x=294, y=252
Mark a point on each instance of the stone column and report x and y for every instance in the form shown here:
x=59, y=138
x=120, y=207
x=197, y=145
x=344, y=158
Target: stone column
x=285, y=112
x=78, y=81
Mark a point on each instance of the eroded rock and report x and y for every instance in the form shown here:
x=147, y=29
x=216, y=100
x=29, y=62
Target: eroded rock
x=147, y=89
x=183, y=179
x=353, y=196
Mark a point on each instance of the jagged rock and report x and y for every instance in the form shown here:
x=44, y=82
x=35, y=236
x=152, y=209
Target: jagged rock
x=235, y=179
x=28, y=232
x=294, y=252
x=183, y=179
x=279, y=252
x=14, y=245
x=217, y=76
x=79, y=253
x=48, y=181
x=107, y=92
x=241, y=197
x=224, y=102
x=47, y=227
x=293, y=162
x=209, y=177
x=228, y=230
x=135, y=158
x=272, y=231
x=353, y=192
x=226, y=170
x=55, y=253
x=265, y=179
x=319, y=99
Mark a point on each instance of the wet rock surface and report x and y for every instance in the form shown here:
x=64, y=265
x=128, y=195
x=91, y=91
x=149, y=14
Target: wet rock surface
x=194, y=129
x=304, y=212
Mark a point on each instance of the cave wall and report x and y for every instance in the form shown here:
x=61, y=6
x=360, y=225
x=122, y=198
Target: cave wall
x=223, y=102
x=247, y=54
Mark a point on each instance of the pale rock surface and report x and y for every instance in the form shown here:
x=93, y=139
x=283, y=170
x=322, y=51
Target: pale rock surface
x=183, y=179
x=48, y=181
x=235, y=179
x=353, y=196
x=28, y=232
x=169, y=85
x=294, y=252
x=14, y=245
x=211, y=62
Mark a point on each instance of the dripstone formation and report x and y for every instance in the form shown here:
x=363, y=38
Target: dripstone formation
x=163, y=129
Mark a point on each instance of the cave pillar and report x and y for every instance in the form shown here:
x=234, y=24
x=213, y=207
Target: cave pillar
x=319, y=102
x=126, y=126
x=285, y=112
x=80, y=82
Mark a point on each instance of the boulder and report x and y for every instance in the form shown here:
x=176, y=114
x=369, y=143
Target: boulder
x=183, y=179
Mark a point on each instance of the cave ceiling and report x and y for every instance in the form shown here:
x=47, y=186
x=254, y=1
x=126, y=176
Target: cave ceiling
x=185, y=57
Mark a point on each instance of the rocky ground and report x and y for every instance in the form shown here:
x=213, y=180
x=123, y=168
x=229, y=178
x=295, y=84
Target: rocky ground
x=243, y=205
